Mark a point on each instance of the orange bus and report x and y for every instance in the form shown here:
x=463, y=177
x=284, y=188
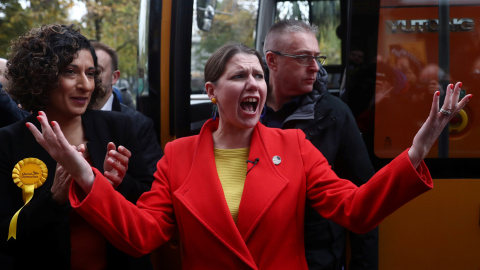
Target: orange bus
x=385, y=59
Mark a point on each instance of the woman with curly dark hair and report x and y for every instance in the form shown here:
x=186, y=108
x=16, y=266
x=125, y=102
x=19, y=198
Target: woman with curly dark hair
x=53, y=70
x=34, y=64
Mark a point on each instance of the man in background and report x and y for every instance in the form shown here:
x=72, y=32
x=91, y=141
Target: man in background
x=142, y=125
x=3, y=69
x=298, y=98
x=9, y=110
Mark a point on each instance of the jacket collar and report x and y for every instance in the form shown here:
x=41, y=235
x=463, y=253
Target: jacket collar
x=307, y=106
x=203, y=196
x=305, y=109
x=116, y=103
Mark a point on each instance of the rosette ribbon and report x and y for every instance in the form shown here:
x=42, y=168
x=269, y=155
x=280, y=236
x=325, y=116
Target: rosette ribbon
x=28, y=174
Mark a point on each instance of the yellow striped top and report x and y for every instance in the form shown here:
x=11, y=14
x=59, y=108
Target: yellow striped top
x=232, y=169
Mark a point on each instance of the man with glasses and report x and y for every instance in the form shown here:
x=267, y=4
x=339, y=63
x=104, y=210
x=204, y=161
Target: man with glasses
x=298, y=98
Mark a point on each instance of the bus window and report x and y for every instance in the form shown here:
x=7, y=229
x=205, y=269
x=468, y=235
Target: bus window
x=232, y=21
x=227, y=21
x=413, y=62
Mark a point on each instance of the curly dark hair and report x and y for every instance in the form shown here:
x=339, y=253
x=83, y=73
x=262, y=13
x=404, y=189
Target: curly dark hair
x=36, y=59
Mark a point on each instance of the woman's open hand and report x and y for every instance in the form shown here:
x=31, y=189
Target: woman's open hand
x=436, y=122
x=52, y=139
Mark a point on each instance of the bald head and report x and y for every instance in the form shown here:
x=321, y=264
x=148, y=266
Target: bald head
x=3, y=69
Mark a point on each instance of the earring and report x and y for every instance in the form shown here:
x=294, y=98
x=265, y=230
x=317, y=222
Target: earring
x=264, y=111
x=214, y=111
x=214, y=108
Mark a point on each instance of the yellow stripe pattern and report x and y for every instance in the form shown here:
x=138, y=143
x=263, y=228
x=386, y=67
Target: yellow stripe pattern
x=232, y=169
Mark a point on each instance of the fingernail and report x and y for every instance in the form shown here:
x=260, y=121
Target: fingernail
x=437, y=93
x=53, y=123
x=470, y=97
x=26, y=124
x=460, y=84
x=38, y=118
x=451, y=86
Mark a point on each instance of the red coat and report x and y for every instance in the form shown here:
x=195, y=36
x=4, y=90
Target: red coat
x=269, y=231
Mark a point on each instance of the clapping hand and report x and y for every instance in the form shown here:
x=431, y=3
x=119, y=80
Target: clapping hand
x=71, y=160
x=436, y=122
x=61, y=185
x=115, y=165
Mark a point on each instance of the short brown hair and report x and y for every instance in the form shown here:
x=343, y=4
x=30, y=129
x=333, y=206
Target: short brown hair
x=286, y=26
x=36, y=59
x=215, y=65
x=97, y=45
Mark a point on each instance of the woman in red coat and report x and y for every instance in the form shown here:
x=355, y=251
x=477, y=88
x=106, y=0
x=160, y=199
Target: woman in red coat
x=231, y=221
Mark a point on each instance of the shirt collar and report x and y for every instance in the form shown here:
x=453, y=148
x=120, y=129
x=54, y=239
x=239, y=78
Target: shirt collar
x=108, y=104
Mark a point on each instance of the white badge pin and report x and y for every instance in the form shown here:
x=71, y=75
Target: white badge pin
x=276, y=160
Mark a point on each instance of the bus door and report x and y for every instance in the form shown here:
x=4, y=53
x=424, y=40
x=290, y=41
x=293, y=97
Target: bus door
x=176, y=37
x=386, y=59
x=175, y=40
x=422, y=47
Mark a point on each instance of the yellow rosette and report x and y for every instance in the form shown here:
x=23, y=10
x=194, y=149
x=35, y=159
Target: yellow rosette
x=28, y=174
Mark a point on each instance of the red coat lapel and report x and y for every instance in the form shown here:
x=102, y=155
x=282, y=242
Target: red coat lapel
x=202, y=194
x=259, y=192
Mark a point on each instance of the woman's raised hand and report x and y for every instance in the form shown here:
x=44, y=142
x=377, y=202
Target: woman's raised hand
x=52, y=139
x=436, y=122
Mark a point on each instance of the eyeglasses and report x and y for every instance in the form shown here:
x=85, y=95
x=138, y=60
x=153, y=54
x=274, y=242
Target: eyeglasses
x=304, y=60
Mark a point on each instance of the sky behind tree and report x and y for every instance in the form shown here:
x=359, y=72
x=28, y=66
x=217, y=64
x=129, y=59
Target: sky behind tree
x=77, y=11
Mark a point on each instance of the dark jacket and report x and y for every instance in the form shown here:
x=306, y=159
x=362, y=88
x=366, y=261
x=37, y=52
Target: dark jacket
x=329, y=124
x=9, y=111
x=147, y=139
x=43, y=229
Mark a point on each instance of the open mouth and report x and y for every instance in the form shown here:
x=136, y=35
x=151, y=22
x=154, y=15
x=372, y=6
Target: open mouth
x=249, y=105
